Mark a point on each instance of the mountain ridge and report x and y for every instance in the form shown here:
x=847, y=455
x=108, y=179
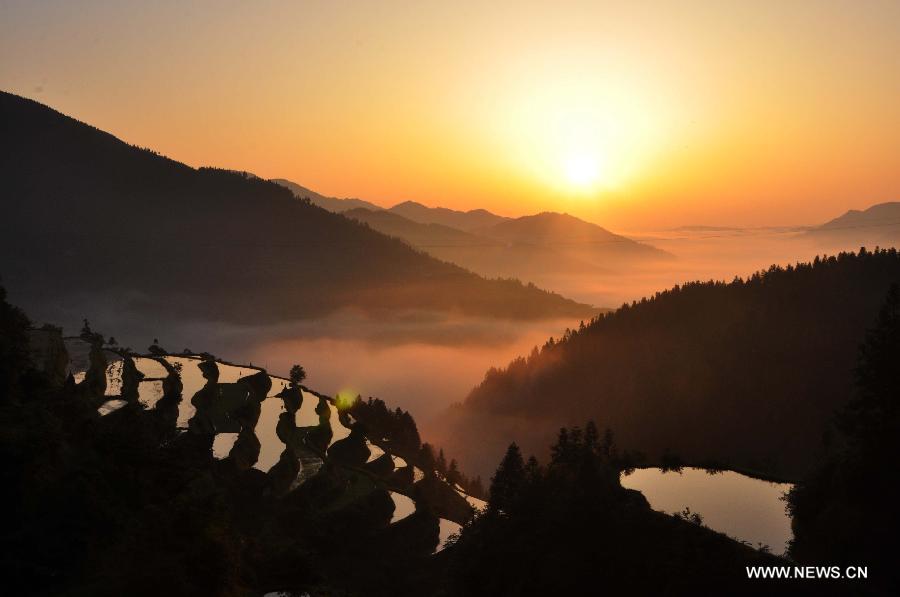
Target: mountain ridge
x=206, y=243
x=878, y=223
x=461, y=220
x=333, y=204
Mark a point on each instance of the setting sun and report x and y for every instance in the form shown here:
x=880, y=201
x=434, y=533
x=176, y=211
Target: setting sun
x=582, y=171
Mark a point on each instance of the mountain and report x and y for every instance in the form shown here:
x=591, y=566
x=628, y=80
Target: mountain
x=429, y=237
x=551, y=250
x=878, y=225
x=573, y=234
x=330, y=203
x=88, y=216
x=745, y=374
x=461, y=220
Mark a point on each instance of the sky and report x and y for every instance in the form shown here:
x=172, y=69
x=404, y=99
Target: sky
x=636, y=115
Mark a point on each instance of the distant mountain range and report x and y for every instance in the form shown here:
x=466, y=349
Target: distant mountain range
x=416, y=212
x=85, y=214
x=330, y=203
x=429, y=237
x=879, y=224
x=536, y=248
x=462, y=220
x=557, y=230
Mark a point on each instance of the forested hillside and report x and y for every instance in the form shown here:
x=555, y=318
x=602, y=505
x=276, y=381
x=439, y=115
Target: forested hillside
x=745, y=374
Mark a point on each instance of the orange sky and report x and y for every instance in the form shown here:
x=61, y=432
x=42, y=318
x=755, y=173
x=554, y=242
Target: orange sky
x=651, y=115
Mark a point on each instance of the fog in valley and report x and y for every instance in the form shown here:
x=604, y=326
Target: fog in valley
x=425, y=361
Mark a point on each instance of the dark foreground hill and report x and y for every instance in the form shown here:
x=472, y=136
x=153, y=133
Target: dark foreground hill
x=746, y=374
x=86, y=213
x=103, y=501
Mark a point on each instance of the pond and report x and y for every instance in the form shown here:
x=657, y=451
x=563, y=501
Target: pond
x=742, y=507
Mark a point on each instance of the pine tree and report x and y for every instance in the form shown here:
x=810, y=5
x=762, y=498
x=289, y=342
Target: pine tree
x=608, y=445
x=561, y=447
x=453, y=475
x=507, y=481
x=426, y=458
x=872, y=415
x=476, y=487
x=532, y=470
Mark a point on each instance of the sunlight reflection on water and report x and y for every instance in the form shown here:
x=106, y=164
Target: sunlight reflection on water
x=742, y=507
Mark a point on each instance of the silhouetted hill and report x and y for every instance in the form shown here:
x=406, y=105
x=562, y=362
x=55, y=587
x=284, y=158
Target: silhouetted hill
x=877, y=225
x=565, y=231
x=425, y=236
x=330, y=203
x=85, y=213
x=546, y=249
x=745, y=374
x=461, y=220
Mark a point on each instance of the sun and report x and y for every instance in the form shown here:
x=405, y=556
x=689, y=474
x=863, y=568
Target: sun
x=582, y=170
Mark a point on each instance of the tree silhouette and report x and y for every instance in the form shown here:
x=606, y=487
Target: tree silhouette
x=297, y=375
x=846, y=511
x=440, y=464
x=426, y=458
x=86, y=332
x=453, y=475
x=507, y=481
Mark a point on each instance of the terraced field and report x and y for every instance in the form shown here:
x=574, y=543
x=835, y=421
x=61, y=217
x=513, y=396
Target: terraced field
x=291, y=434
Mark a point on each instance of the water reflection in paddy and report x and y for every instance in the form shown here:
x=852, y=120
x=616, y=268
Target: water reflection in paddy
x=270, y=446
x=222, y=444
x=150, y=368
x=192, y=381
x=447, y=528
x=113, y=373
x=150, y=392
x=403, y=506
x=110, y=406
x=374, y=451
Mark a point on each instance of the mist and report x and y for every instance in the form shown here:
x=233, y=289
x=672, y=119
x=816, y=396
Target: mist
x=424, y=361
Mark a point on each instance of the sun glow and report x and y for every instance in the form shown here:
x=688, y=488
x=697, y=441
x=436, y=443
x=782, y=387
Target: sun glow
x=582, y=170
x=581, y=134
